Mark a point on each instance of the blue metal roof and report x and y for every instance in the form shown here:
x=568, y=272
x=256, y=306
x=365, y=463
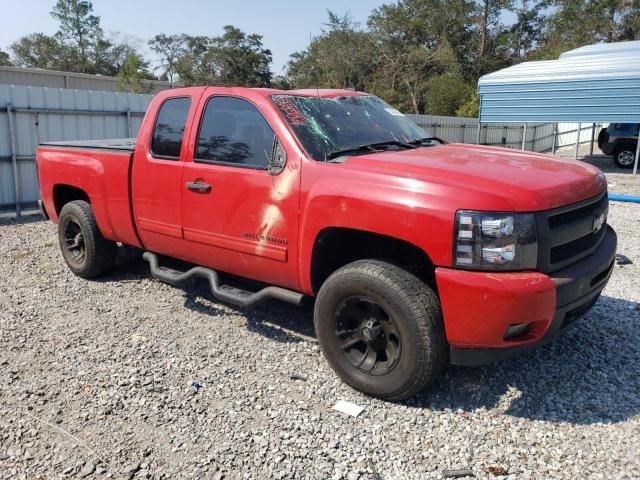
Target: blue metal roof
x=604, y=49
x=595, y=83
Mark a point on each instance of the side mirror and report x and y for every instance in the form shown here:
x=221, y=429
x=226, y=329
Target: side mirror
x=278, y=158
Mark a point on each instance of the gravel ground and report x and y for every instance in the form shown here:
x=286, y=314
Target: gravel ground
x=96, y=381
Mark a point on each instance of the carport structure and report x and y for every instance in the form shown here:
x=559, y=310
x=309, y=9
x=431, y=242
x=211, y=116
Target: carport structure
x=597, y=83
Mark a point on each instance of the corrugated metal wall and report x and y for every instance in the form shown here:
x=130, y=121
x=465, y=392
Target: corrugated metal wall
x=51, y=114
x=78, y=81
x=540, y=136
x=596, y=83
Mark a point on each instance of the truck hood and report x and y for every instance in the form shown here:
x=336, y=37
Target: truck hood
x=526, y=181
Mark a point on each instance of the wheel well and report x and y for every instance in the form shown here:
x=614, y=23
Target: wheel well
x=335, y=247
x=627, y=144
x=63, y=194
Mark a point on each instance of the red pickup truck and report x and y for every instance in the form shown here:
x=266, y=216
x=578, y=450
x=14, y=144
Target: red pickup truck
x=418, y=253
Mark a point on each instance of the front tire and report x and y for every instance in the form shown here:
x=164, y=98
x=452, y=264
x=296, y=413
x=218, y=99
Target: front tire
x=624, y=156
x=87, y=253
x=381, y=329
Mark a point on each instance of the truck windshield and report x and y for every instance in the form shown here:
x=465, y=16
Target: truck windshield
x=348, y=125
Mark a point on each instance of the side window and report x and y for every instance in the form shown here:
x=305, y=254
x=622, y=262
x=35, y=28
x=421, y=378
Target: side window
x=169, y=129
x=234, y=132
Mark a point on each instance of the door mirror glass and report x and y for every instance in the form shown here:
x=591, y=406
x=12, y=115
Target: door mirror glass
x=278, y=158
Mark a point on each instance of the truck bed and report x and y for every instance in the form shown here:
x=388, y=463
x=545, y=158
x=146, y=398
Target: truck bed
x=98, y=168
x=117, y=144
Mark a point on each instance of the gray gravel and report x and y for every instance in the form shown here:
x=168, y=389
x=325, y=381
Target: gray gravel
x=96, y=380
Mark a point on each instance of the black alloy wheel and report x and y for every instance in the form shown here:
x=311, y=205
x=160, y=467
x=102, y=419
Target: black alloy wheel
x=368, y=336
x=74, y=241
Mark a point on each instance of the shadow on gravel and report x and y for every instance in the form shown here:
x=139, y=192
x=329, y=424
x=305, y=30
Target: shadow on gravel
x=604, y=163
x=588, y=375
x=29, y=218
x=274, y=320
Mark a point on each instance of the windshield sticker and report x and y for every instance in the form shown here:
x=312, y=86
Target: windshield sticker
x=394, y=112
x=290, y=110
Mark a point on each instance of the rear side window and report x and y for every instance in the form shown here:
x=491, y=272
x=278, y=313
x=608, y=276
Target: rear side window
x=233, y=132
x=169, y=129
x=626, y=128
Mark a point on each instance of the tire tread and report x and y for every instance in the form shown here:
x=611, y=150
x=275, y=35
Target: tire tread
x=426, y=313
x=101, y=253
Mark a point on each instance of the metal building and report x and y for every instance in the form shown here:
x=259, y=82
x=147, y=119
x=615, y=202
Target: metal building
x=591, y=84
x=29, y=115
x=35, y=77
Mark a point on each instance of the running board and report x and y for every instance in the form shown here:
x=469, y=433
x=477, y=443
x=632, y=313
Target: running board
x=226, y=293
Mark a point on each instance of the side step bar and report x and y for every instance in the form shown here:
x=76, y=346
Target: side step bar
x=225, y=293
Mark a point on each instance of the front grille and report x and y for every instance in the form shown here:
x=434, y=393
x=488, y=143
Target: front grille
x=567, y=251
x=566, y=234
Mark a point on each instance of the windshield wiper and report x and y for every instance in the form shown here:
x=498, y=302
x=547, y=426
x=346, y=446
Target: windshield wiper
x=369, y=147
x=427, y=140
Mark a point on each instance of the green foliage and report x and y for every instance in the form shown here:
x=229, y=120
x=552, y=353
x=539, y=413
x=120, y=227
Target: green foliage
x=4, y=59
x=471, y=108
x=78, y=46
x=427, y=55
x=132, y=74
x=38, y=50
x=235, y=58
x=339, y=58
x=170, y=48
x=79, y=30
x=446, y=93
x=574, y=23
x=419, y=55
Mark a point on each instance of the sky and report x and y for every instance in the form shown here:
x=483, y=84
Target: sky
x=286, y=25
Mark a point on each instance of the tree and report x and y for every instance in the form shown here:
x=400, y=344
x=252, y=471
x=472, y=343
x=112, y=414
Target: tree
x=414, y=41
x=471, y=108
x=489, y=29
x=192, y=67
x=234, y=58
x=132, y=73
x=78, y=29
x=170, y=48
x=599, y=21
x=340, y=57
x=78, y=46
x=240, y=59
x=525, y=35
x=446, y=93
x=38, y=50
x=4, y=59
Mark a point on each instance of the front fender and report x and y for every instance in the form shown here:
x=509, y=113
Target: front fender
x=424, y=219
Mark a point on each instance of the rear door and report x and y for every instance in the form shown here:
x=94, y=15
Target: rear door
x=238, y=215
x=157, y=176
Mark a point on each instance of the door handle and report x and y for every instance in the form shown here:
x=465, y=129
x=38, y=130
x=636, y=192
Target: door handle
x=199, y=187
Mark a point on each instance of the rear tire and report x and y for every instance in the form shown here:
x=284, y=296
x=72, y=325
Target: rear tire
x=381, y=329
x=624, y=156
x=87, y=253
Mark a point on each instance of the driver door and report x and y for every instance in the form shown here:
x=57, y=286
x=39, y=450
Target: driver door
x=238, y=214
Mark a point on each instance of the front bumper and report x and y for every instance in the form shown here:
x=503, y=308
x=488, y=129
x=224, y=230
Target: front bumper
x=479, y=307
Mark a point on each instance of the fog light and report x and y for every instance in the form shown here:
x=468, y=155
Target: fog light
x=517, y=330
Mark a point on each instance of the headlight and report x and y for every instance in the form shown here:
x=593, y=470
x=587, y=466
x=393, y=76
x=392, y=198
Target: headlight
x=495, y=241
